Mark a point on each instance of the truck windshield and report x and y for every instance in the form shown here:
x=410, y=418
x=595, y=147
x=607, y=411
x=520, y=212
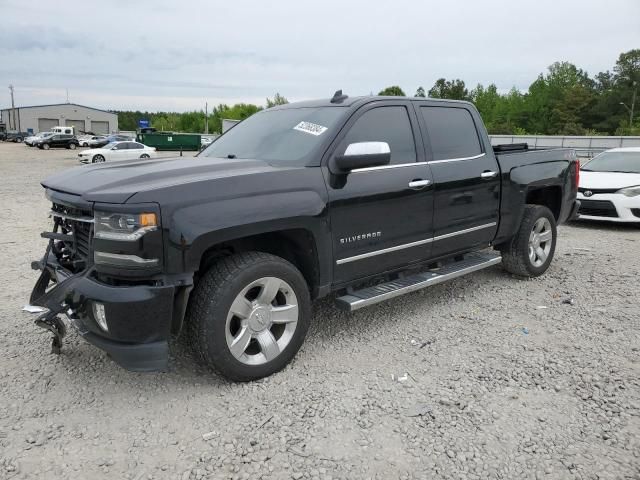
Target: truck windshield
x=626, y=162
x=286, y=135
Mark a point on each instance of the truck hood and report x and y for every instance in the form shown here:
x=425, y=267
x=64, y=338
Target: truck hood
x=608, y=179
x=117, y=182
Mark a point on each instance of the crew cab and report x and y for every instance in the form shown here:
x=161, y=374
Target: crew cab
x=361, y=198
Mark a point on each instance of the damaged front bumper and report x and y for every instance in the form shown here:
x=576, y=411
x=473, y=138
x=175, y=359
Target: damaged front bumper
x=138, y=317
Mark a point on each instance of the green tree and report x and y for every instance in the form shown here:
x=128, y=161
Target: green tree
x=451, y=89
x=393, y=91
x=277, y=100
x=420, y=92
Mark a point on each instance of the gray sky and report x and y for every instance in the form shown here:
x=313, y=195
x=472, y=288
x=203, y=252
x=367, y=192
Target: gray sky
x=141, y=55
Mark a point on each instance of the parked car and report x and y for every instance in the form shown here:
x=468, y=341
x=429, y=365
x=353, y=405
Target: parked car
x=58, y=141
x=83, y=140
x=33, y=139
x=16, y=137
x=102, y=140
x=117, y=151
x=342, y=196
x=610, y=186
x=97, y=141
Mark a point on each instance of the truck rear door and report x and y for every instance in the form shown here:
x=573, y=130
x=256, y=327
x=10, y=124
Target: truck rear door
x=466, y=177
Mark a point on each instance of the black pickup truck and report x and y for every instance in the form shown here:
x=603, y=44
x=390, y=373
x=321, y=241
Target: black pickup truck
x=363, y=198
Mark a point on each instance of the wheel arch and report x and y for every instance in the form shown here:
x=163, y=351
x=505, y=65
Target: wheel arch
x=547, y=196
x=297, y=245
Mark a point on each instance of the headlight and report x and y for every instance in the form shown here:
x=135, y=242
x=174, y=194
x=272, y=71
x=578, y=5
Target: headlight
x=630, y=191
x=123, y=226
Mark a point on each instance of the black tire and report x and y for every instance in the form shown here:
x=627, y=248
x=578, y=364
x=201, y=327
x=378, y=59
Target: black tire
x=144, y=155
x=72, y=146
x=210, y=303
x=516, y=257
x=18, y=139
x=97, y=159
x=45, y=146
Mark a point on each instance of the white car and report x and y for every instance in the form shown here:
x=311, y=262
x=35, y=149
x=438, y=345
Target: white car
x=117, y=151
x=33, y=139
x=609, y=186
x=83, y=140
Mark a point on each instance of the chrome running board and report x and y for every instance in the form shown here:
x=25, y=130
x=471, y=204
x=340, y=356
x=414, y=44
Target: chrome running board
x=370, y=295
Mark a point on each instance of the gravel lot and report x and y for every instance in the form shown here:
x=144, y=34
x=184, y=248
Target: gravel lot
x=503, y=378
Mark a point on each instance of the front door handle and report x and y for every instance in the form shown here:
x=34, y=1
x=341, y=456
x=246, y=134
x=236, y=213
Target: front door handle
x=419, y=183
x=488, y=174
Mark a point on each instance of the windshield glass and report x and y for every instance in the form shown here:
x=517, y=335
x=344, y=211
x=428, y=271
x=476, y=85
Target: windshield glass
x=286, y=135
x=627, y=162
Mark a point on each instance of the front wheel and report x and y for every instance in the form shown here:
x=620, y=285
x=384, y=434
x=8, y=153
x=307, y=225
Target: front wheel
x=248, y=315
x=46, y=146
x=97, y=159
x=72, y=146
x=530, y=251
x=144, y=155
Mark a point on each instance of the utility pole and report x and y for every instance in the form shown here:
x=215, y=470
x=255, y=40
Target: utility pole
x=206, y=118
x=633, y=104
x=67, y=95
x=13, y=109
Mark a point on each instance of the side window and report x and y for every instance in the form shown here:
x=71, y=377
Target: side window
x=136, y=146
x=384, y=124
x=452, y=133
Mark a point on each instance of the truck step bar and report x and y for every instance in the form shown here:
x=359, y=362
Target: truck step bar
x=368, y=296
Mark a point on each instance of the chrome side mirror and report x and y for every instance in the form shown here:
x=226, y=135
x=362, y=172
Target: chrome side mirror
x=361, y=155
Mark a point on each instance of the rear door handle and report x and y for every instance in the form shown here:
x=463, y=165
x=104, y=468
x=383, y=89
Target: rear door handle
x=419, y=183
x=488, y=174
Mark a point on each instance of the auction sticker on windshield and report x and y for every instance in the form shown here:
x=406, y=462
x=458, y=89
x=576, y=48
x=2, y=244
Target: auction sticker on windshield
x=312, y=128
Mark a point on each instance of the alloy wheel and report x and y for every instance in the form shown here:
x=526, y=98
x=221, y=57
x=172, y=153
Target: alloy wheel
x=540, y=240
x=261, y=321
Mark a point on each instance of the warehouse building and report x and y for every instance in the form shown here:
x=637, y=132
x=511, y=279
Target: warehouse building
x=42, y=118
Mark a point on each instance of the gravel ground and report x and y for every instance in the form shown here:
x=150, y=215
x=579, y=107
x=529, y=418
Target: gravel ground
x=487, y=376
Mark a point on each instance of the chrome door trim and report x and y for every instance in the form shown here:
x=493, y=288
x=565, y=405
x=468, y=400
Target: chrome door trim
x=386, y=167
x=384, y=250
x=374, y=253
x=461, y=159
x=465, y=231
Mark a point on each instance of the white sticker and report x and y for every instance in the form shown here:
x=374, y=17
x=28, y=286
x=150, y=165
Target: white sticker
x=312, y=128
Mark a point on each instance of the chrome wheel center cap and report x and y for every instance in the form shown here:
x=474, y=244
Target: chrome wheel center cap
x=260, y=319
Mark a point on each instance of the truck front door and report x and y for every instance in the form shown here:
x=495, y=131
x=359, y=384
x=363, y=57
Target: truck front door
x=381, y=217
x=466, y=176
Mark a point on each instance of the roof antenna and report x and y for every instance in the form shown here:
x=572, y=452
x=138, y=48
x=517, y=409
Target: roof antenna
x=338, y=97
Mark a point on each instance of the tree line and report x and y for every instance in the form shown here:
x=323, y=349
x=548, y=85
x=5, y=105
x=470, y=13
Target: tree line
x=564, y=100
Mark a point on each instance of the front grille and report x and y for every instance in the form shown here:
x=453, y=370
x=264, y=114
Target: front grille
x=72, y=236
x=596, y=191
x=597, y=208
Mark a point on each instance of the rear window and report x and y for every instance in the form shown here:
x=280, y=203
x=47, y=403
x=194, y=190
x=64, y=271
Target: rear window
x=452, y=132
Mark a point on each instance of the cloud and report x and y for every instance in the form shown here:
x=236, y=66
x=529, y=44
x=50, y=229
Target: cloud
x=176, y=55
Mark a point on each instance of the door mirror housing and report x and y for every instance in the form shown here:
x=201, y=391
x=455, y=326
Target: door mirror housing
x=362, y=155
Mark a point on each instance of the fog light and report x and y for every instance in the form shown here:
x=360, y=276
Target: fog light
x=100, y=315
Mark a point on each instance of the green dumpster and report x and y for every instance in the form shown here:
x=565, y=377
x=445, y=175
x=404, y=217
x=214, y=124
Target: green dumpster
x=170, y=140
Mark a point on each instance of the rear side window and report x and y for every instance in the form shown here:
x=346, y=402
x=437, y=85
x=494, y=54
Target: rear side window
x=452, y=133
x=384, y=124
x=135, y=146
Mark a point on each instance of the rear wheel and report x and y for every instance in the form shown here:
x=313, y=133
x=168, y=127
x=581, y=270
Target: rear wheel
x=248, y=315
x=97, y=159
x=530, y=252
x=144, y=155
x=72, y=146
